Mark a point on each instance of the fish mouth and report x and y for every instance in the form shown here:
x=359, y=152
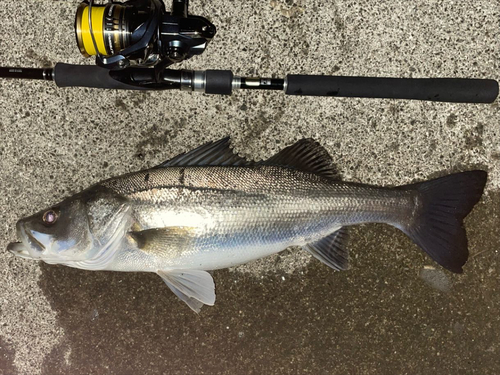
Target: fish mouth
x=18, y=249
x=28, y=241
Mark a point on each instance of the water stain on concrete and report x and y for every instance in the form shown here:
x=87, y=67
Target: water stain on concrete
x=119, y=103
x=451, y=121
x=154, y=139
x=474, y=137
x=379, y=317
x=42, y=60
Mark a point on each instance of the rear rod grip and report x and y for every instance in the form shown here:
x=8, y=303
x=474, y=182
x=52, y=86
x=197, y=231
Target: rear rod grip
x=458, y=90
x=67, y=75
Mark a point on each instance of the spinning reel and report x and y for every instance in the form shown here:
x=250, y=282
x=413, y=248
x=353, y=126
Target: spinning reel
x=140, y=33
x=136, y=41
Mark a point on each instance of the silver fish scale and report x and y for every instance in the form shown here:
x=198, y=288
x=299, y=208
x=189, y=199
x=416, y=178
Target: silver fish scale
x=244, y=213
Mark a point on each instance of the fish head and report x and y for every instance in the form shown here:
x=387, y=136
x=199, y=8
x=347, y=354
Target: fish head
x=58, y=233
x=79, y=229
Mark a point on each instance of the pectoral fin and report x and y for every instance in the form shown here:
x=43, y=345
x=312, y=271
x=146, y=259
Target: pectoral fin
x=163, y=241
x=195, y=287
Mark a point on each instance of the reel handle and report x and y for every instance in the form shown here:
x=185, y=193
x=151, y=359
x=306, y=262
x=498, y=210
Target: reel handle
x=458, y=90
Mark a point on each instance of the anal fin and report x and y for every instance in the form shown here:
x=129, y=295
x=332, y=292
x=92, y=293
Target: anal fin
x=331, y=250
x=195, y=287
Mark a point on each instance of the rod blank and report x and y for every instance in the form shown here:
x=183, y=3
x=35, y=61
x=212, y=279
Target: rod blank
x=26, y=73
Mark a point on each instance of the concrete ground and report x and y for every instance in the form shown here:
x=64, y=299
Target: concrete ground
x=393, y=312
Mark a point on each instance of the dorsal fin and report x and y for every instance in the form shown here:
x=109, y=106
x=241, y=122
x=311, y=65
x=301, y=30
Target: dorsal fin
x=306, y=155
x=331, y=250
x=211, y=153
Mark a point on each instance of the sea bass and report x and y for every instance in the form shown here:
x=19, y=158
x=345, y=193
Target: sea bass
x=210, y=209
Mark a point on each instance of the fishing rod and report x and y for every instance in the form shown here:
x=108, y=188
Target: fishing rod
x=135, y=42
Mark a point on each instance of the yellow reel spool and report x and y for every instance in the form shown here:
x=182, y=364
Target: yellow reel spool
x=83, y=30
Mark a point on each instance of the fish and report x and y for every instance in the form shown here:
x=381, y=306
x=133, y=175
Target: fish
x=209, y=209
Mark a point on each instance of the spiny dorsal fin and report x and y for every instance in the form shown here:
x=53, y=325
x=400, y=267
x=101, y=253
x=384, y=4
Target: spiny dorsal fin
x=331, y=250
x=211, y=153
x=306, y=155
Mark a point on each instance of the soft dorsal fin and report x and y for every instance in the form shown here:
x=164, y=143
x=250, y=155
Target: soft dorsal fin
x=331, y=250
x=211, y=153
x=306, y=155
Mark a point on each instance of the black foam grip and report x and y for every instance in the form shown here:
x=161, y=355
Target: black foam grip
x=67, y=75
x=219, y=82
x=457, y=90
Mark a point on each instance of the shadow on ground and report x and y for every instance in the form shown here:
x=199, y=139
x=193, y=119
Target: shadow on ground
x=379, y=317
x=6, y=358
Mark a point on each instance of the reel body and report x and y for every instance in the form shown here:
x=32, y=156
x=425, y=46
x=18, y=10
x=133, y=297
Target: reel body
x=140, y=33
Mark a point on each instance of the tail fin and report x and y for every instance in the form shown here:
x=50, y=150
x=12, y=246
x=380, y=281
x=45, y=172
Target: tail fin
x=438, y=224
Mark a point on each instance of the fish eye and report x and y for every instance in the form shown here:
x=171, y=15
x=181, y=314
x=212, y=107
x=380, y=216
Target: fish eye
x=50, y=217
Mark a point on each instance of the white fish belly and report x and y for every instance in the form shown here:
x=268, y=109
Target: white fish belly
x=246, y=235
x=222, y=254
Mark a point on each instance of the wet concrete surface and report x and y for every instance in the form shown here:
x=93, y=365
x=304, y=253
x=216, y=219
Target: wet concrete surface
x=379, y=317
x=6, y=358
x=393, y=312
